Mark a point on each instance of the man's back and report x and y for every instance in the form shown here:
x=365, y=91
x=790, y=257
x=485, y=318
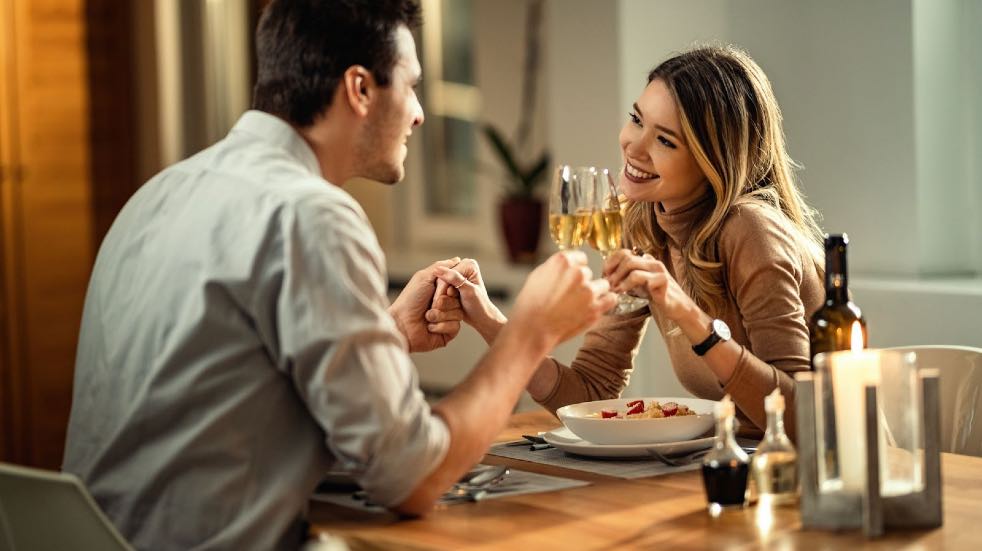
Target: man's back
x=187, y=418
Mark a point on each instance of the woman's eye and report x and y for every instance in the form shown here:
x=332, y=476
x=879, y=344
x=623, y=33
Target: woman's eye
x=634, y=118
x=666, y=143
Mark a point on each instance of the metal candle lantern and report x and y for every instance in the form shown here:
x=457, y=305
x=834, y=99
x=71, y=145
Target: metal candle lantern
x=878, y=465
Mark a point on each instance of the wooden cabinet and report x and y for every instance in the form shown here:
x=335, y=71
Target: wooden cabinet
x=46, y=234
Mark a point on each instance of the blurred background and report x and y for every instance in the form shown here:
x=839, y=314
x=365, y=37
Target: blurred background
x=882, y=104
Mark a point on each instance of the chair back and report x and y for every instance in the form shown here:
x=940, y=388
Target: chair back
x=41, y=510
x=961, y=394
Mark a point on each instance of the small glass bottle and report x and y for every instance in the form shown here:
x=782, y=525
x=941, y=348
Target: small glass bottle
x=775, y=464
x=725, y=468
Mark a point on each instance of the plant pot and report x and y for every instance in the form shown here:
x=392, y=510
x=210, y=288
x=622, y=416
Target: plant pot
x=521, y=223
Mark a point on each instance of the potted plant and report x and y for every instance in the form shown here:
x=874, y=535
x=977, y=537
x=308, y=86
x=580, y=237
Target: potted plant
x=520, y=210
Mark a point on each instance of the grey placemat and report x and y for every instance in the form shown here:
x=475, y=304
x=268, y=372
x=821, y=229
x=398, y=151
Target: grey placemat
x=517, y=482
x=621, y=468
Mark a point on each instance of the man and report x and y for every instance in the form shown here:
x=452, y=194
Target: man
x=237, y=343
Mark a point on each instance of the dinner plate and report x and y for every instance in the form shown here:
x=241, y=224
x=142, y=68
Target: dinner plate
x=565, y=440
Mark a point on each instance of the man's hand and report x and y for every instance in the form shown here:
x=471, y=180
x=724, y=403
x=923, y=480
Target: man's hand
x=560, y=299
x=464, y=280
x=412, y=310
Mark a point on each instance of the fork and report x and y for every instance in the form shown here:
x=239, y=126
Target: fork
x=677, y=461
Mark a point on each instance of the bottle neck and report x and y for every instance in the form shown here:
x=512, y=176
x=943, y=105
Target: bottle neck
x=775, y=425
x=724, y=433
x=836, y=275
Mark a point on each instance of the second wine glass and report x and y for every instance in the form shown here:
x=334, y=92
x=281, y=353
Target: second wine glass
x=607, y=230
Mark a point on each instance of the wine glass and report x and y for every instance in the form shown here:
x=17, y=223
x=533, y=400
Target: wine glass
x=569, y=207
x=607, y=229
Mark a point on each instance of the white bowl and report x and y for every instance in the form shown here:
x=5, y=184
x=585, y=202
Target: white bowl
x=637, y=431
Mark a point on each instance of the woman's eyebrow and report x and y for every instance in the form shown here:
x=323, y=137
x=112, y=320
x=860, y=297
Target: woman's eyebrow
x=666, y=130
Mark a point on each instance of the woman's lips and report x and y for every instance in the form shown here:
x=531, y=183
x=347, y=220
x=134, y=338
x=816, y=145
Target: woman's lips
x=636, y=175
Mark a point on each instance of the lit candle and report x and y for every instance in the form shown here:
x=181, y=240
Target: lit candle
x=851, y=373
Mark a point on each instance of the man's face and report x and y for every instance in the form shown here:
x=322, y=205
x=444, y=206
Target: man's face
x=381, y=153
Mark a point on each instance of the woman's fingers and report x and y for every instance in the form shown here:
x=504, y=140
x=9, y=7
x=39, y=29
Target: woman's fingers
x=614, y=260
x=628, y=263
x=650, y=282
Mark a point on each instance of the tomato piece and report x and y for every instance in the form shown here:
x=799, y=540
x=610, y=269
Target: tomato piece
x=669, y=409
x=608, y=413
x=637, y=408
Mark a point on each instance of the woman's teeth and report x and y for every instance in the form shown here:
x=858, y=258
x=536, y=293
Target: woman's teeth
x=639, y=174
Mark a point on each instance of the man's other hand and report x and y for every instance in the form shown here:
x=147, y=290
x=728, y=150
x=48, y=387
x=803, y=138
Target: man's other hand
x=561, y=299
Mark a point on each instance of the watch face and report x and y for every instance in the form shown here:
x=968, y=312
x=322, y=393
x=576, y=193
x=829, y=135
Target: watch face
x=721, y=329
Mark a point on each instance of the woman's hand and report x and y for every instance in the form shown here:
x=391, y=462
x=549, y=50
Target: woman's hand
x=464, y=280
x=628, y=272
x=427, y=321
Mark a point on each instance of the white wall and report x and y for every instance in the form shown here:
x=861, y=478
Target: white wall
x=945, y=209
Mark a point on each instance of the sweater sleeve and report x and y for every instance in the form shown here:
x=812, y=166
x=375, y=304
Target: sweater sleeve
x=764, y=275
x=603, y=364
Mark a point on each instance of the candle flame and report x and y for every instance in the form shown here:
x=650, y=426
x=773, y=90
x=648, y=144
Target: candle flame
x=857, y=336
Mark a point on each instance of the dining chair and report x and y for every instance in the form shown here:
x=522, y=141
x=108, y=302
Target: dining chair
x=51, y=510
x=961, y=394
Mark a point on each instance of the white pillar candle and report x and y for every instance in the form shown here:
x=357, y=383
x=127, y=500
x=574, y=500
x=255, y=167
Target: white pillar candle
x=851, y=373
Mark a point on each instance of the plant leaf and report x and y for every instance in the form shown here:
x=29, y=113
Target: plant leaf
x=503, y=150
x=535, y=174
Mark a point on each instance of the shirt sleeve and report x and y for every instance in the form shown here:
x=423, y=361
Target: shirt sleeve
x=345, y=355
x=764, y=273
x=602, y=367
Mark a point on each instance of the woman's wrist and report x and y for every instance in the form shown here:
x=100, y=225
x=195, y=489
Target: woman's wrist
x=491, y=325
x=695, y=324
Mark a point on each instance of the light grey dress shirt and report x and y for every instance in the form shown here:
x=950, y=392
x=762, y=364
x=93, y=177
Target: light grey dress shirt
x=235, y=346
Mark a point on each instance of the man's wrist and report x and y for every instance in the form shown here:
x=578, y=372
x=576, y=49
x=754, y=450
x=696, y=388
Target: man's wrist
x=525, y=340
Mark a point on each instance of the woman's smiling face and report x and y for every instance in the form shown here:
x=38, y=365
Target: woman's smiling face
x=658, y=165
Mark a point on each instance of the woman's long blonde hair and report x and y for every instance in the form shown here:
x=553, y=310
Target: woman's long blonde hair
x=732, y=124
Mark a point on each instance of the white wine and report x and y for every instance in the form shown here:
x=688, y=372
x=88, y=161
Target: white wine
x=569, y=230
x=606, y=230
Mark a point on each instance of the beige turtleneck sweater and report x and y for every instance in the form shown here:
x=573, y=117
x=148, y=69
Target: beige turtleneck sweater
x=773, y=287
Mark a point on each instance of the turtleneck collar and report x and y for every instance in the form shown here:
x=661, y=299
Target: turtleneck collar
x=678, y=224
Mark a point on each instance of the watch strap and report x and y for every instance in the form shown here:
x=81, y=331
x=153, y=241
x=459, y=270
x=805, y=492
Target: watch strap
x=703, y=347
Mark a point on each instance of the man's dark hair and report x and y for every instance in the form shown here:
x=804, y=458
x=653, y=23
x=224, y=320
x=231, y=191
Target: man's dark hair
x=303, y=48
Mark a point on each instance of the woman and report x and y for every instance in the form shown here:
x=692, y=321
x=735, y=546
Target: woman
x=728, y=243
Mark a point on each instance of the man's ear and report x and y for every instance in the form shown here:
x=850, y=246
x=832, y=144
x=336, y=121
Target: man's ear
x=359, y=88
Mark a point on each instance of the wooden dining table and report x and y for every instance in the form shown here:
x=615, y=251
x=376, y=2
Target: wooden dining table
x=663, y=512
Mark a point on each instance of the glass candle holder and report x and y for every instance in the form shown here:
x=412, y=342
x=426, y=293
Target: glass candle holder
x=840, y=382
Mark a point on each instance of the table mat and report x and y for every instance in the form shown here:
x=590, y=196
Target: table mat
x=518, y=482
x=620, y=468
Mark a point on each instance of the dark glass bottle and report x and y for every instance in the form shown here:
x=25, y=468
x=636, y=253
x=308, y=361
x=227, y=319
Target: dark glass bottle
x=726, y=466
x=831, y=329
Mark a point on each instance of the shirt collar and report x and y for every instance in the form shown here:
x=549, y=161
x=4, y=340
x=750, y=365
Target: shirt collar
x=279, y=133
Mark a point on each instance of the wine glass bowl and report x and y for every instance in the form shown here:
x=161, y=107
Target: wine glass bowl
x=569, y=209
x=607, y=230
